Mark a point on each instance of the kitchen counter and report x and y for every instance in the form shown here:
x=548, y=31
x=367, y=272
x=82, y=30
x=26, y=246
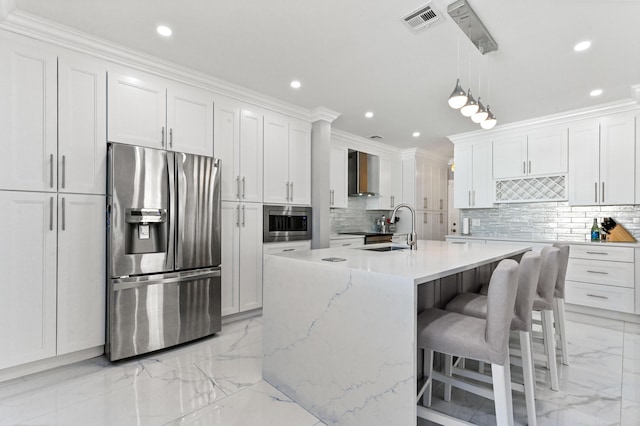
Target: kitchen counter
x=339, y=338
x=549, y=242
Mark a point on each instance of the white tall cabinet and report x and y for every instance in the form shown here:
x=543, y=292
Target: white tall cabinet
x=338, y=170
x=287, y=160
x=52, y=186
x=472, y=177
x=602, y=160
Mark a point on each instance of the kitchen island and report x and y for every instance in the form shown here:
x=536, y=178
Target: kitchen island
x=339, y=337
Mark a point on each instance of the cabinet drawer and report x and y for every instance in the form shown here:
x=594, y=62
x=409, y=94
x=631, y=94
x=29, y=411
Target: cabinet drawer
x=618, y=274
x=276, y=248
x=347, y=242
x=598, y=252
x=600, y=296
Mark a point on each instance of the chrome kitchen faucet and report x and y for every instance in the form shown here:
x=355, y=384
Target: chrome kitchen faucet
x=412, y=238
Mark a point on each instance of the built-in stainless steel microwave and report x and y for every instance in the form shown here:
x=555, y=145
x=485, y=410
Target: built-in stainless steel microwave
x=286, y=223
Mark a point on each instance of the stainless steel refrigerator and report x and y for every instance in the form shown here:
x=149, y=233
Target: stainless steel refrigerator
x=163, y=254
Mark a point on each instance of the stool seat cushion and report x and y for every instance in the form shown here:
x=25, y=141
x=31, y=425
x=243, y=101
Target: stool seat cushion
x=455, y=334
x=471, y=304
x=540, y=304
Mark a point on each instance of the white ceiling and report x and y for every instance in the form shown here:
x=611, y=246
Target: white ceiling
x=355, y=56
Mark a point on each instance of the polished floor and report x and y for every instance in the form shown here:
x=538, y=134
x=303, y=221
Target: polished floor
x=217, y=381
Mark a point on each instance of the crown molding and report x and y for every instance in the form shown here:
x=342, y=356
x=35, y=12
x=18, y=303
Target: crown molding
x=563, y=118
x=322, y=113
x=362, y=144
x=635, y=92
x=51, y=32
x=414, y=153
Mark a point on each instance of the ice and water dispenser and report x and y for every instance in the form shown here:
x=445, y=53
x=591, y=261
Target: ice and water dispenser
x=146, y=231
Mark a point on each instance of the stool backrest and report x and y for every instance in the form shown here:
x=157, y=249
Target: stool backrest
x=562, y=269
x=548, y=273
x=501, y=298
x=528, y=276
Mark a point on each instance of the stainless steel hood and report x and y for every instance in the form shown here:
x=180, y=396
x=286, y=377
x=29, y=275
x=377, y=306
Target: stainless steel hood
x=364, y=174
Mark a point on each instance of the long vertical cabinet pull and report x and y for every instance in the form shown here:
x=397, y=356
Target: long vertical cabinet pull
x=292, y=190
x=595, y=192
x=238, y=186
x=524, y=168
x=474, y=197
x=51, y=170
x=162, y=140
x=171, y=137
x=238, y=216
x=287, y=185
x=393, y=197
x=602, y=197
x=244, y=187
x=243, y=216
x=64, y=170
x=529, y=166
x=50, y=213
x=64, y=227
x=469, y=198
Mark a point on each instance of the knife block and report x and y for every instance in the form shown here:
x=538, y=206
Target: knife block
x=620, y=235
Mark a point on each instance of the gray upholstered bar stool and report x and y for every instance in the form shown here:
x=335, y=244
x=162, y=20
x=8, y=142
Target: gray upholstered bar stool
x=476, y=305
x=558, y=305
x=474, y=338
x=544, y=302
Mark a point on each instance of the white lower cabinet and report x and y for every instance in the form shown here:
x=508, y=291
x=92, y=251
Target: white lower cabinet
x=44, y=313
x=241, y=257
x=81, y=272
x=346, y=242
x=288, y=247
x=601, y=277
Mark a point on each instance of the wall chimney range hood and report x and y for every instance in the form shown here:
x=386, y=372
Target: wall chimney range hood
x=364, y=174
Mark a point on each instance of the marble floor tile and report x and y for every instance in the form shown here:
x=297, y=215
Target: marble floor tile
x=631, y=380
x=630, y=413
x=257, y=405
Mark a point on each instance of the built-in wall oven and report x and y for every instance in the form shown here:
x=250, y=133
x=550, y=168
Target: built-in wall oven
x=286, y=223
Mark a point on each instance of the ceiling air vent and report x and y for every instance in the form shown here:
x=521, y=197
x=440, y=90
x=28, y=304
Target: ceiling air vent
x=422, y=17
x=375, y=137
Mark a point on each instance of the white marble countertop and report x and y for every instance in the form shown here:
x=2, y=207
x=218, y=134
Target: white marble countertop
x=432, y=260
x=516, y=240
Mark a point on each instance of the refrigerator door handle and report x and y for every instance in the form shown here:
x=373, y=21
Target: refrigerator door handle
x=137, y=282
x=172, y=251
x=180, y=208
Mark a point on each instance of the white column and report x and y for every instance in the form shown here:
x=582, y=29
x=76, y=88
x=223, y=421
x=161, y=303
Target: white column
x=320, y=167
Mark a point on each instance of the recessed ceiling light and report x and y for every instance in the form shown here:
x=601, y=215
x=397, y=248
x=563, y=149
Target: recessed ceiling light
x=295, y=84
x=163, y=30
x=416, y=134
x=368, y=114
x=596, y=92
x=583, y=45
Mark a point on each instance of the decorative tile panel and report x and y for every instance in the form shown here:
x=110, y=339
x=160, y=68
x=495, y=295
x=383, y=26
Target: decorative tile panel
x=544, y=188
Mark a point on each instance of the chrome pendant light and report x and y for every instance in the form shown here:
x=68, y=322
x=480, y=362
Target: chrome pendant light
x=481, y=114
x=471, y=107
x=490, y=121
x=458, y=98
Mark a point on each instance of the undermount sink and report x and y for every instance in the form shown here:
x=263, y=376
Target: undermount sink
x=388, y=248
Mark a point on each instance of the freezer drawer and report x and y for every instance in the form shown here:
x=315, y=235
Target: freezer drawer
x=153, y=312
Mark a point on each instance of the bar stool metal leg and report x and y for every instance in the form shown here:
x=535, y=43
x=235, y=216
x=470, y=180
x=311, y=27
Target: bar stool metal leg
x=559, y=316
x=549, y=338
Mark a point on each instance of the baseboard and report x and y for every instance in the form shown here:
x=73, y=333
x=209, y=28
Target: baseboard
x=241, y=316
x=585, y=314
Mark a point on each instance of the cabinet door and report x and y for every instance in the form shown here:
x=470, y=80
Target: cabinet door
x=439, y=185
x=547, y=152
x=28, y=284
x=463, y=175
x=28, y=104
x=396, y=182
x=250, y=256
x=251, y=148
x=230, y=240
x=338, y=177
x=81, y=272
x=227, y=146
x=190, y=120
x=300, y=163
x=617, y=162
x=424, y=185
x=82, y=124
x=584, y=163
x=510, y=157
x=137, y=110
x=276, y=160
x=483, y=193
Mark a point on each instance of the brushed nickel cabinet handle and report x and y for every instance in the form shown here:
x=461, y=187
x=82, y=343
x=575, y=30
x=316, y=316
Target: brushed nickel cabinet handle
x=441, y=217
x=238, y=186
x=288, y=249
x=598, y=272
x=162, y=140
x=425, y=202
x=64, y=170
x=597, y=296
x=171, y=137
x=393, y=199
x=51, y=170
x=238, y=216
x=50, y=213
x=469, y=198
x=602, y=192
x=598, y=252
x=287, y=185
x=595, y=192
x=244, y=186
x=346, y=244
x=291, y=191
x=529, y=166
x=524, y=168
x=243, y=216
x=64, y=227
x=474, y=197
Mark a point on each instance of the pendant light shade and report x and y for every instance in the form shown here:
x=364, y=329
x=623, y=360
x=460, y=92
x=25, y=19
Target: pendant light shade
x=481, y=114
x=458, y=98
x=490, y=122
x=471, y=107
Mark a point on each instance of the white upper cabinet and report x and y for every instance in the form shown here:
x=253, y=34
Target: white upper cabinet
x=238, y=143
x=390, y=184
x=338, y=177
x=28, y=225
x=287, y=160
x=28, y=114
x=82, y=121
x=473, y=186
x=602, y=160
x=153, y=112
x=543, y=152
x=424, y=184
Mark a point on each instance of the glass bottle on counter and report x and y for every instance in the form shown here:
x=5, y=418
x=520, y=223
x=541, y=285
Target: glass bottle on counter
x=595, y=231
